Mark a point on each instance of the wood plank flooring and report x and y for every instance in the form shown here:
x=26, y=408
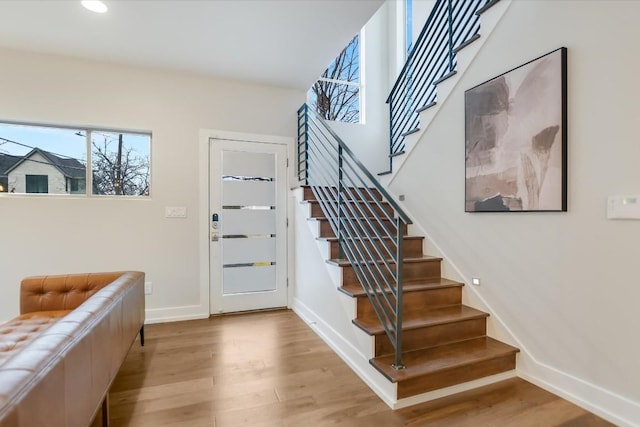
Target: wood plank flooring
x=270, y=369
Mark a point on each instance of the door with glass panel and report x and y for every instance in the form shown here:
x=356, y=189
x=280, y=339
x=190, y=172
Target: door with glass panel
x=247, y=225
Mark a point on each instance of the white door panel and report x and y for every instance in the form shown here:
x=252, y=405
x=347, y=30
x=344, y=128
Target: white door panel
x=252, y=250
x=239, y=280
x=248, y=193
x=248, y=222
x=242, y=164
x=248, y=240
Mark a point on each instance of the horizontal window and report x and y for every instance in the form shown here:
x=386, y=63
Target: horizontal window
x=57, y=160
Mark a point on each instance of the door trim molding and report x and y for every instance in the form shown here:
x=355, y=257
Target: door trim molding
x=203, y=202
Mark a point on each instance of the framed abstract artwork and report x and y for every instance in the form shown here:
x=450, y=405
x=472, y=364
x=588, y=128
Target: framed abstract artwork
x=516, y=139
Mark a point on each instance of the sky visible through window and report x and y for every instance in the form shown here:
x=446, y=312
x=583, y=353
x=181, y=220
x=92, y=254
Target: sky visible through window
x=22, y=139
x=70, y=143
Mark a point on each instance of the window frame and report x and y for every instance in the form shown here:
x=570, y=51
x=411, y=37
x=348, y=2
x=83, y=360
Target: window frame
x=87, y=130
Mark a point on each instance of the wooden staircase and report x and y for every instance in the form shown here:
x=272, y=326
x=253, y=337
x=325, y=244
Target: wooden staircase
x=445, y=342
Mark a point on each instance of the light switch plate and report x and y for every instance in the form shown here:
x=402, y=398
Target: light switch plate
x=623, y=207
x=175, y=212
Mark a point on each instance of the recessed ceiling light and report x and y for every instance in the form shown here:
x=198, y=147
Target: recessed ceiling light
x=95, y=6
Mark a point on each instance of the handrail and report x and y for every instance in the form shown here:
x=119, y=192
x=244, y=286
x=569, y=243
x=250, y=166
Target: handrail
x=357, y=207
x=364, y=170
x=450, y=24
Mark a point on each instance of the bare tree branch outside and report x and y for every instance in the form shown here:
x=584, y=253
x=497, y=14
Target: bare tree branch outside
x=120, y=164
x=336, y=94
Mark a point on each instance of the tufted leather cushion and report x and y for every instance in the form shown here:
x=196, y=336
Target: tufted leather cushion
x=67, y=292
x=22, y=329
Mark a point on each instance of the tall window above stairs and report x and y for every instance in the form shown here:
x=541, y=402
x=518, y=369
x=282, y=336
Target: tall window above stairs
x=408, y=25
x=337, y=93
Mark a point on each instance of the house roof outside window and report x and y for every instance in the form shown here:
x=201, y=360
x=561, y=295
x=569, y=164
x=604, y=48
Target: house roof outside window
x=70, y=168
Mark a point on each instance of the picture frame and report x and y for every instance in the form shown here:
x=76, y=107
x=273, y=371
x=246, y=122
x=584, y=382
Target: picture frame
x=516, y=139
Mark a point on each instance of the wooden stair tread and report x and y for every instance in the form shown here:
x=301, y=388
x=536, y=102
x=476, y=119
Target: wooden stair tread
x=424, y=258
x=335, y=239
x=373, y=202
x=372, y=218
x=423, y=318
x=355, y=290
x=441, y=358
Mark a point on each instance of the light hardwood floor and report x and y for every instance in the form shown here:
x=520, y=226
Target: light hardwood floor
x=270, y=369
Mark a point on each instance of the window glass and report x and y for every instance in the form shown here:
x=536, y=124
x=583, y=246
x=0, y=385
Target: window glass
x=57, y=154
x=336, y=94
x=120, y=163
x=37, y=183
x=52, y=160
x=408, y=25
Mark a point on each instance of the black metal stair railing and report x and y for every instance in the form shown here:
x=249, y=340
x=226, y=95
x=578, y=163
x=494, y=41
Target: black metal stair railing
x=451, y=24
x=370, y=237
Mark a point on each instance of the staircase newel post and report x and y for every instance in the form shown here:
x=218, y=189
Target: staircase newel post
x=390, y=132
x=340, y=238
x=306, y=144
x=450, y=24
x=399, y=265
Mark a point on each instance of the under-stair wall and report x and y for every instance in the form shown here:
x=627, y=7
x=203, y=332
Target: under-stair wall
x=327, y=311
x=562, y=284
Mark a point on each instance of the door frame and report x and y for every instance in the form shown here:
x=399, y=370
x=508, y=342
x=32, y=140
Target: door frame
x=203, y=206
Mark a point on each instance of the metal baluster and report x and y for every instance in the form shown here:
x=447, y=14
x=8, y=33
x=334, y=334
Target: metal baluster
x=399, y=277
x=306, y=144
x=450, y=22
x=340, y=202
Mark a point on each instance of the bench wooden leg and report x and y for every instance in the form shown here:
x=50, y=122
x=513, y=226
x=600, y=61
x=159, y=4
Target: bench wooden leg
x=102, y=416
x=142, y=336
x=105, y=411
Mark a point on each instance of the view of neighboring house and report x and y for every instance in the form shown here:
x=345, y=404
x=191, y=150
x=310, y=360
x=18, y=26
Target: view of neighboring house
x=40, y=171
x=6, y=162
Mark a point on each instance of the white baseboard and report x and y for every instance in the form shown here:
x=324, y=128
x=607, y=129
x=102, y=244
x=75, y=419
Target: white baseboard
x=604, y=403
x=348, y=353
x=175, y=314
x=385, y=390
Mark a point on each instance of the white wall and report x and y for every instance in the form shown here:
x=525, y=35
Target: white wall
x=564, y=283
x=49, y=235
x=369, y=140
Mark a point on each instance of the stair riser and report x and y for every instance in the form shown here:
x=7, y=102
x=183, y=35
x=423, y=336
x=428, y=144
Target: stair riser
x=455, y=376
x=317, y=212
x=412, y=248
x=331, y=191
x=411, y=271
x=433, y=335
x=416, y=300
x=326, y=231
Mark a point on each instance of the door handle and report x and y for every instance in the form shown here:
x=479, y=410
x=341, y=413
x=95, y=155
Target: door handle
x=214, y=227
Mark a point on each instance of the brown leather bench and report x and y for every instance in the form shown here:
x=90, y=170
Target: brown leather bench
x=60, y=356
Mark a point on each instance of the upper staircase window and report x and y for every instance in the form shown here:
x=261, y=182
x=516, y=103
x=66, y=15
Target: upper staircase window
x=336, y=94
x=408, y=25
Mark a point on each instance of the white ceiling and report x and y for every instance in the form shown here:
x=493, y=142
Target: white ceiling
x=285, y=43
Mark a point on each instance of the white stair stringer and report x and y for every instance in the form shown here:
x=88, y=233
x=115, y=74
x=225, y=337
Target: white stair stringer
x=327, y=311
x=488, y=21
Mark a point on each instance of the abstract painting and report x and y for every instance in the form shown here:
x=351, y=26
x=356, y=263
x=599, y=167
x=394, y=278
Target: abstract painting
x=516, y=139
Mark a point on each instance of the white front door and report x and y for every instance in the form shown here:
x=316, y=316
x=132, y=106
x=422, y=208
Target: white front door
x=247, y=222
